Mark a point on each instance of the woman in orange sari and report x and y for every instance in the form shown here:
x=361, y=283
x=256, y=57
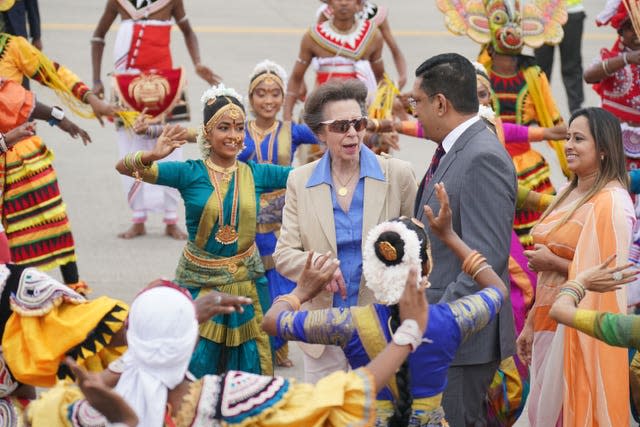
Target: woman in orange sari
x=575, y=379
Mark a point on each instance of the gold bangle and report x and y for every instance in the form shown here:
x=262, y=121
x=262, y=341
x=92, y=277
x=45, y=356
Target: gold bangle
x=292, y=300
x=128, y=162
x=468, y=259
x=473, y=268
x=484, y=267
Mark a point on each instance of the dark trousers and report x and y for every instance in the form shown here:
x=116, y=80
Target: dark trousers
x=570, y=59
x=464, y=398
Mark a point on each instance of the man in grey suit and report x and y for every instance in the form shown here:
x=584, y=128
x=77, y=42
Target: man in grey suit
x=481, y=181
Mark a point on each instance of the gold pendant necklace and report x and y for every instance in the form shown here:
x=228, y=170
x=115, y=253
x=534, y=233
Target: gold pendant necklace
x=227, y=173
x=226, y=234
x=342, y=189
x=258, y=136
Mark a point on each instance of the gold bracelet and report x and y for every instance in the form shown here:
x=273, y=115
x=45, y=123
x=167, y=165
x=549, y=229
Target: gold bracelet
x=292, y=300
x=484, y=267
x=128, y=162
x=138, y=163
x=468, y=259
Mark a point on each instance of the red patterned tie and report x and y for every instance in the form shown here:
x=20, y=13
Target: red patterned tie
x=435, y=161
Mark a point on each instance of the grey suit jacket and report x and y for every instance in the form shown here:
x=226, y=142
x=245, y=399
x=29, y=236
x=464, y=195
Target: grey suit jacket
x=480, y=179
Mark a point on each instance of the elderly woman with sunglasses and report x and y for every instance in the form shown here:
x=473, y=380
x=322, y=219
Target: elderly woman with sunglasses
x=332, y=203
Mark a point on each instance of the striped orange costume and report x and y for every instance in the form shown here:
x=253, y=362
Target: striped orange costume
x=33, y=213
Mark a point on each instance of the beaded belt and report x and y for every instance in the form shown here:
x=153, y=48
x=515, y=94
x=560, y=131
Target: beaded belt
x=231, y=264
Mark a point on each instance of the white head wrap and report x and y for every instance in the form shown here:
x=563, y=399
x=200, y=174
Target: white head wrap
x=161, y=336
x=387, y=281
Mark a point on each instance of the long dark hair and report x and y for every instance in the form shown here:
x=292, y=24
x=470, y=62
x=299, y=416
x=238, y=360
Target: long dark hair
x=403, y=405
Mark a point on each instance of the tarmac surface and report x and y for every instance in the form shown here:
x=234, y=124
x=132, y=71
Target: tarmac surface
x=233, y=37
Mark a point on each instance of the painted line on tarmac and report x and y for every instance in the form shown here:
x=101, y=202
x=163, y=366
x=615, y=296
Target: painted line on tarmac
x=62, y=26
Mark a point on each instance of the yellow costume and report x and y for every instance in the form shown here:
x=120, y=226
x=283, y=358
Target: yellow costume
x=238, y=399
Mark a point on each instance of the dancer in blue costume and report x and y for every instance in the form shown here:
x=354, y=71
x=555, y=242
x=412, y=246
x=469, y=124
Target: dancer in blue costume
x=221, y=197
x=392, y=249
x=278, y=141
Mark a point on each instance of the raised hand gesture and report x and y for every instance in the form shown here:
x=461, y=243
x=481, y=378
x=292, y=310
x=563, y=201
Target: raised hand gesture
x=316, y=275
x=172, y=137
x=413, y=302
x=440, y=225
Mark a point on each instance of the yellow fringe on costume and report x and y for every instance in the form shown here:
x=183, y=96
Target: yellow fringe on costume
x=34, y=346
x=544, y=118
x=382, y=105
x=56, y=80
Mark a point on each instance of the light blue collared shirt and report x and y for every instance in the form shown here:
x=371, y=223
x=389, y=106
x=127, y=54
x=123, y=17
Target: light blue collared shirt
x=348, y=225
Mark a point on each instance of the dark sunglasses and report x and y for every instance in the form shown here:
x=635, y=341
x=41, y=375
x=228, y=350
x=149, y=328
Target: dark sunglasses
x=342, y=126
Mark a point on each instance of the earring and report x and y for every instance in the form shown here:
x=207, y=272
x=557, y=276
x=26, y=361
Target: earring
x=601, y=157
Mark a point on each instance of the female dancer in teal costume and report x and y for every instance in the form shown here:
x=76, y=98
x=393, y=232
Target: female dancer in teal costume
x=221, y=203
x=278, y=141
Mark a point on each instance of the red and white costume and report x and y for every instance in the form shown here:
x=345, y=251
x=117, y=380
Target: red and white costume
x=142, y=45
x=348, y=49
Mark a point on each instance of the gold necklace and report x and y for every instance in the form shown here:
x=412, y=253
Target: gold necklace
x=226, y=172
x=258, y=136
x=226, y=234
x=343, y=190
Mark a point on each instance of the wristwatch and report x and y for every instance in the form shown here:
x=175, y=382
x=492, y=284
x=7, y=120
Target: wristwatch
x=57, y=114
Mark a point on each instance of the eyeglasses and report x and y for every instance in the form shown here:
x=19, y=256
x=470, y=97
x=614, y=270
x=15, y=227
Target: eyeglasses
x=343, y=126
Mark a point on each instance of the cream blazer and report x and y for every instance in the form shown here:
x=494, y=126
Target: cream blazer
x=308, y=223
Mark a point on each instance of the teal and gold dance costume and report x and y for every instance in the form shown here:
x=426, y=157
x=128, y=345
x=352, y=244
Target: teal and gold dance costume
x=231, y=341
x=278, y=148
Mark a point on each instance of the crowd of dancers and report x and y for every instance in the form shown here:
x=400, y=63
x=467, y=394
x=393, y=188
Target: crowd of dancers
x=479, y=295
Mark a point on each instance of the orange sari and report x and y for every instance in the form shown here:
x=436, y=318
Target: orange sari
x=577, y=380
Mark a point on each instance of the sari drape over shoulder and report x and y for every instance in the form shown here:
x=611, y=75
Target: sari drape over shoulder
x=577, y=380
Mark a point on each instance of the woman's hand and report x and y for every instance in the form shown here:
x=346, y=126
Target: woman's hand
x=74, y=130
x=413, y=302
x=98, y=89
x=524, y=344
x=172, y=137
x=16, y=135
x=101, y=397
x=101, y=108
x=215, y=303
x=558, y=132
x=541, y=259
x=316, y=275
x=207, y=74
x=141, y=124
x=440, y=225
x=601, y=279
